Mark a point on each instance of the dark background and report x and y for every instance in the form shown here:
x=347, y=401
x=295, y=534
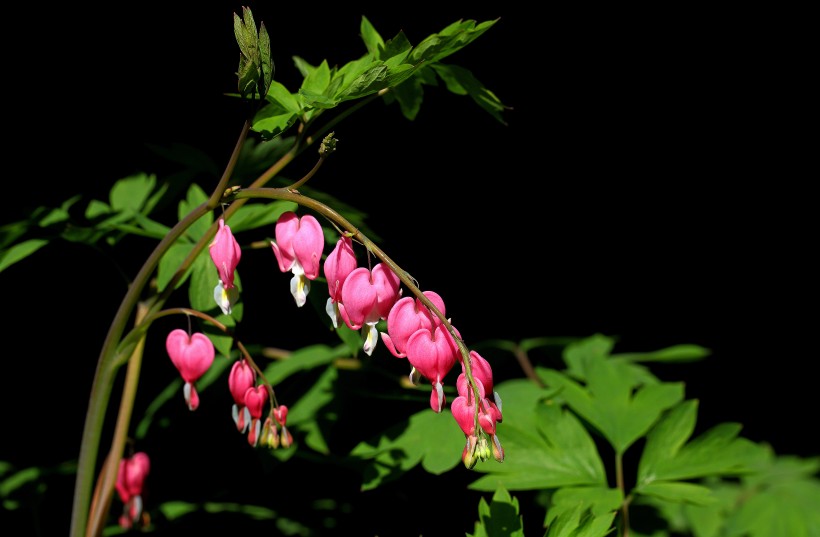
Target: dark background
x=650, y=184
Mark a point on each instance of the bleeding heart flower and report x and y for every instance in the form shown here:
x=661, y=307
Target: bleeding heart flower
x=367, y=297
x=225, y=253
x=192, y=356
x=298, y=249
x=241, y=378
x=406, y=316
x=130, y=483
x=255, y=399
x=340, y=262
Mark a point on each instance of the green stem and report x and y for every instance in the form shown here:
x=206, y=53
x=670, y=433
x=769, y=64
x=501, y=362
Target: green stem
x=619, y=480
x=107, y=363
x=105, y=491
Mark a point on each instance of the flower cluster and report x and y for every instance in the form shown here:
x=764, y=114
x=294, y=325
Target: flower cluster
x=362, y=296
x=359, y=297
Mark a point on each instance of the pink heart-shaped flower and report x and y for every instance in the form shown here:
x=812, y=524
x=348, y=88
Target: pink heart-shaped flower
x=192, y=355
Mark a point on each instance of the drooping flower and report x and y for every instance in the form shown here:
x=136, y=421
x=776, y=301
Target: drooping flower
x=241, y=378
x=340, y=262
x=225, y=253
x=407, y=316
x=130, y=483
x=433, y=353
x=298, y=249
x=192, y=356
x=367, y=297
x=255, y=399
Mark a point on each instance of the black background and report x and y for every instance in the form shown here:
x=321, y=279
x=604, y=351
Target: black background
x=650, y=184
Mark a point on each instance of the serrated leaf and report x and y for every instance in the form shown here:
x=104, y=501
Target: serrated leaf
x=718, y=451
x=545, y=445
x=609, y=402
x=500, y=517
x=20, y=251
x=429, y=438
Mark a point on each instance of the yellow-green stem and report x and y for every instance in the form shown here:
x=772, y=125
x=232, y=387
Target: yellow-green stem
x=99, y=510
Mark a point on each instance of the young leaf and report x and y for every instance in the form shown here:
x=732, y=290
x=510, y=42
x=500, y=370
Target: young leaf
x=499, y=517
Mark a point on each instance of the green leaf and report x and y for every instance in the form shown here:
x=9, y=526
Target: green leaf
x=223, y=343
x=59, y=214
x=676, y=491
x=675, y=353
x=265, y=59
x=372, y=40
x=785, y=510
x=204, y=277
x=718, y=451
x=580, y=355
x=304, y=414
x=170, y=262
x=545, y=445
x=317, y=79
x=429, y=438
x=152, y=227
x=194, y=198
x=256, y=215
x=409, y=96
x=20, y=251
x=96, y=208
x=303, y=359
x=462, y=82
x=582, y=511
x=173, y=510
x=451, y=39
x=279, y=114
x=128, y=195
x=499, y=517
x=169, y=392
x=610, y=402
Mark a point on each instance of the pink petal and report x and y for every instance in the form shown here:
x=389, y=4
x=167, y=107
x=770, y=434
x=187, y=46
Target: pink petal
x=308, y=244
